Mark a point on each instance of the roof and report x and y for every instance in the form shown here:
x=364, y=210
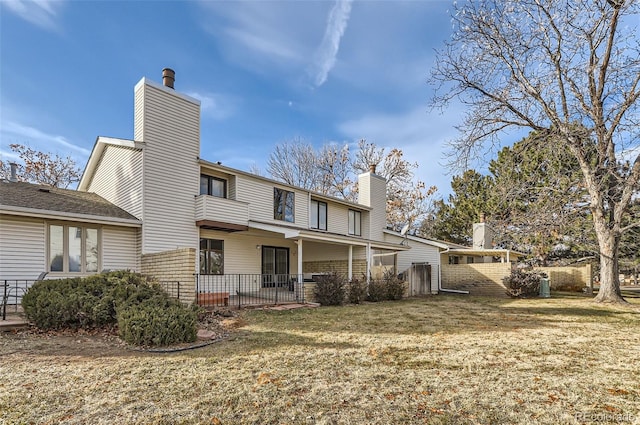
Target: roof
x=418, y=239
x=29, y=199
x=486, y=252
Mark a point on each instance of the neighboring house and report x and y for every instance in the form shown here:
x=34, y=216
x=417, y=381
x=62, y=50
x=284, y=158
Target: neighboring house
x=63, y=233
x=420, y=264
x=221, y=223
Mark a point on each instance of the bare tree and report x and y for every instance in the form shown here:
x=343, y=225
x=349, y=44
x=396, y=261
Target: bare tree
x=333, y=171
x=41, y=167
x=568, y=69
x=295, y=163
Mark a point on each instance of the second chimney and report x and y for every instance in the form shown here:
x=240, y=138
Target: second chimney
x=168, y=77
x=14, y=173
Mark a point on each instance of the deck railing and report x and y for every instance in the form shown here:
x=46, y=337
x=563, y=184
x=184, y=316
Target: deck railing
x=12, y=292
x=239, y=290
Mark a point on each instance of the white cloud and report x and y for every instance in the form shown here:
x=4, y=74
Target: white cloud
x=421, y=135
x=215, y=105
x=34, y=135
x=41, y=13
x=328, y=50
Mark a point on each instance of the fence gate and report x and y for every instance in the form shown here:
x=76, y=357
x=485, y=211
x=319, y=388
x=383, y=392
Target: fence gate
x=419, y=279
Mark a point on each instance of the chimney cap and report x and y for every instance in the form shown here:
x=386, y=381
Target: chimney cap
x=168, y=77
x=372, y=168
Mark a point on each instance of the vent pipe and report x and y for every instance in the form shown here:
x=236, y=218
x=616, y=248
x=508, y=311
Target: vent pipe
x=168, y=77
x=14, y=172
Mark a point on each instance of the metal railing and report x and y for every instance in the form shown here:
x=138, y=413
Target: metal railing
x=12, y=292
x=239, y=290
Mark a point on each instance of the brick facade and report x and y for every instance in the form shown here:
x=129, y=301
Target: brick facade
x=359, y=267
x=483, y=279
x=570, y=278
x=173, y=266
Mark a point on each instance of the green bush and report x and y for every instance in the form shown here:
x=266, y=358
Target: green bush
x=330, y=289
x=522, y=283
x=357, y=291
x=110, y=298
x=156, y=322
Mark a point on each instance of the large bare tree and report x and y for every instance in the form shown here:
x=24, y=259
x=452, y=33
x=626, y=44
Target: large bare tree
x=568, y=69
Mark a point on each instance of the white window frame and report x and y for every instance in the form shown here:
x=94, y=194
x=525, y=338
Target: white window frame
x=65, y=247
x=355, y=217
x=315, y=206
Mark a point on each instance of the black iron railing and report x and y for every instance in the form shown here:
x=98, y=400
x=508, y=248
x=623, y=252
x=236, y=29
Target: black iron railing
x=239, y=290
x=12, y=292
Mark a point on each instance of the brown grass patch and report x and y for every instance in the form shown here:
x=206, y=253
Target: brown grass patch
x=440, y=360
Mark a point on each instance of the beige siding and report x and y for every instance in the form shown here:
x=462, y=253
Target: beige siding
x=22, y=247
x=120, y=249
x=118, y=178
x=243, y=250
x=372, y=192
x=223, y=210
x=419, y=253
x=315, y=251
x=170, y=128
x=337, y=218
x=259, y=195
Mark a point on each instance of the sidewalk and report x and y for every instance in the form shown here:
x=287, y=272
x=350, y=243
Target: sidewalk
x=13, y=322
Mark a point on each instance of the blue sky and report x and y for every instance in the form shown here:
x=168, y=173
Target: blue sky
x=266, y=72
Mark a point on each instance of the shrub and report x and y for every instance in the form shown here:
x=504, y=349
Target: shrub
x=376, y=291
x=157, y=321
x=389, y=287
x=330, y=289
x=522, y=283
x=357, y=291
x=395, y=286
x=102, y=299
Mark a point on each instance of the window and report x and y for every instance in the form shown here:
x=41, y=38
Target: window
x=354, y=223
x=470, y=260
x=318, y=215
x=211, y=256
x=213, y=186
x=454, y=259
x=73, y=249
x=283, y=205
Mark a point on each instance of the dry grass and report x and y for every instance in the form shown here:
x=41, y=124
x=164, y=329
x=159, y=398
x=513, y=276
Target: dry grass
x=440, y=360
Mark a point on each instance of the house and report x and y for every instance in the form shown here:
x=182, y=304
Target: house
x=63, y=233
x=235, y=231
x=420, y=264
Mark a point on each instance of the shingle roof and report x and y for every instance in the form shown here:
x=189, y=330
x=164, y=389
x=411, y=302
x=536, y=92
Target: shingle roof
x=53, y=199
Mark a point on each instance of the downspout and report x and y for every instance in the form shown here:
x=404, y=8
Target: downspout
x=440, y=288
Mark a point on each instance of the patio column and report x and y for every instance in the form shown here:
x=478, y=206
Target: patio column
x=350, y=269
x=299, y=242
x=368, y=260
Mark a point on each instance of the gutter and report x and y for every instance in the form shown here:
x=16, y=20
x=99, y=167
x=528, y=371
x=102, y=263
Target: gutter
x=440, y=288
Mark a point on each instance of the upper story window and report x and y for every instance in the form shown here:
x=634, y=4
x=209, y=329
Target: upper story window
x=318, y=215
x=73, y=249
x=355, y=218
x=213, y=186
x=283, y=205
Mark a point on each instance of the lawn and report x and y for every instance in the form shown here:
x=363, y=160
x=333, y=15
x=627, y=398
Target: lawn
x=442, y=360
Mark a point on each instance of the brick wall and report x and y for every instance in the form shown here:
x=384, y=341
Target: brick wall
x=570, y=278
x=359, y=267
x=173, y=266
x=479, y=278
